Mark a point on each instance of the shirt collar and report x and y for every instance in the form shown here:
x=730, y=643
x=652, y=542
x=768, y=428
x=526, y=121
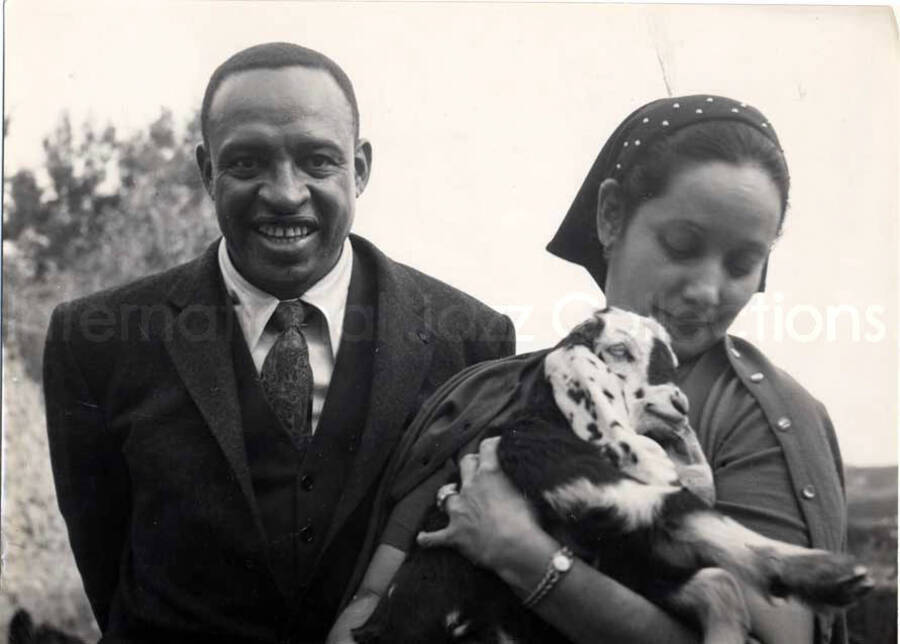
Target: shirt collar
x=254, y=307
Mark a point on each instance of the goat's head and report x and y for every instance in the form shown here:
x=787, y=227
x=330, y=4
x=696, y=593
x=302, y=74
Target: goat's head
x=613, y=378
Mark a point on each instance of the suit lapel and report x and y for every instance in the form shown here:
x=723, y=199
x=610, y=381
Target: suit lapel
x=199, y=344
x=402, y=354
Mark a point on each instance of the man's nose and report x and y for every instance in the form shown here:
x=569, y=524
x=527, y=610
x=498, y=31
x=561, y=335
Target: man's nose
x=287, y=189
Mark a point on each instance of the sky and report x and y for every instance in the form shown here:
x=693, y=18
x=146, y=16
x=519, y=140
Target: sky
x=484, y=119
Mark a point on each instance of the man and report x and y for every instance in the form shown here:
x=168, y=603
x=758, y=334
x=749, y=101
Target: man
x=218, y=431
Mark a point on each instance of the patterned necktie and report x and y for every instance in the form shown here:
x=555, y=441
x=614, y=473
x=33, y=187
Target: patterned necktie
x=286, y=376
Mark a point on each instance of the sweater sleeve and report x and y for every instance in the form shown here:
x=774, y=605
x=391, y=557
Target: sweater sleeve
x=753, y=484
x=406, y=518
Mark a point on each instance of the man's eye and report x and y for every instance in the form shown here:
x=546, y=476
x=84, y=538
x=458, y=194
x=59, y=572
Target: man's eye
x=245, y=164
x=319, y=161
x=618, y=351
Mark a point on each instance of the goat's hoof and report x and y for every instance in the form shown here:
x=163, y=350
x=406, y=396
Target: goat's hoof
x=826, y=580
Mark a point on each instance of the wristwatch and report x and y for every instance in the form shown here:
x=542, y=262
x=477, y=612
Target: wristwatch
x=560, y=563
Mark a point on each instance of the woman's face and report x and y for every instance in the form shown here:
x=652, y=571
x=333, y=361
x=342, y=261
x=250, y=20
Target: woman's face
x=693, y=257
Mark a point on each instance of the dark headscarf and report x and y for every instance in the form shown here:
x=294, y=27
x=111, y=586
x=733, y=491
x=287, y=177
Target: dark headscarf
x=576, y=240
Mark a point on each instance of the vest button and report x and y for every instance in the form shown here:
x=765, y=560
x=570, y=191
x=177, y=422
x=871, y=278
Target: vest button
x=306, y=482
x=808, y=492
x=306, y=533
x=783, y=423
x=757, y=377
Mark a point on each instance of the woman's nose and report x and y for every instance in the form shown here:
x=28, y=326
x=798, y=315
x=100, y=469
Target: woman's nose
x=287, y=190
x=705, y=285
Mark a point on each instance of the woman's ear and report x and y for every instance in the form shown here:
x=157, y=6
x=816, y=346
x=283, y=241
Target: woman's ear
x=610, y=212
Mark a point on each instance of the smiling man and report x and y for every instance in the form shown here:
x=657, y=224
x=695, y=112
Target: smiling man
x=218, y=431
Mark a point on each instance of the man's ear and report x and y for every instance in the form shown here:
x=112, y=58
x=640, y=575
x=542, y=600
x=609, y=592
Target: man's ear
x=610, y=212
x=204, y=164
x=362, y=165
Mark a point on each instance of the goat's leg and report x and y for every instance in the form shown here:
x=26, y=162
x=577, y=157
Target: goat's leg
x=684, y=534
x=572, y=483
x=714, y=598
x=819, y=578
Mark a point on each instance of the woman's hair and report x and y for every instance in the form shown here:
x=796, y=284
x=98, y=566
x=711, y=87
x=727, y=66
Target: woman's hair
x=728, y=141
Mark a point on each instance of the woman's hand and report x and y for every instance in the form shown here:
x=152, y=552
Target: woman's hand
x=494, y=526
x=491, y=522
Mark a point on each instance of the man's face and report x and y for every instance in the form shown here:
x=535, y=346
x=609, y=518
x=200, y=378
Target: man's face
x=284, y=169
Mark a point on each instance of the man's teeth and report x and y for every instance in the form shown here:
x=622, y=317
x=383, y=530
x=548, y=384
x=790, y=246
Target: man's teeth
x=284, y=231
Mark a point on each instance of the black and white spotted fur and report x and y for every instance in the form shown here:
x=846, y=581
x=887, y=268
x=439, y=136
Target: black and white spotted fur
x=607, y=458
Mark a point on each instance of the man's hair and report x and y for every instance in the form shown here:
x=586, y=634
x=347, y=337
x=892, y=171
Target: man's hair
x=275, y=55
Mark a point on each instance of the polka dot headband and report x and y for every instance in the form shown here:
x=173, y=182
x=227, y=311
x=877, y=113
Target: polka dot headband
x=576, y=240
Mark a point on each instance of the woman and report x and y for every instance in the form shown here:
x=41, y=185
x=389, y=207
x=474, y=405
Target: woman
x=674, y=220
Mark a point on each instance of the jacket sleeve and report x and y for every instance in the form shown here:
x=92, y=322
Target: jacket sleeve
x=497, y=339
x=91, y=478
x=508, y=339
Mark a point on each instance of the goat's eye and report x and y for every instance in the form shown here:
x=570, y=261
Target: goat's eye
x=618, y=351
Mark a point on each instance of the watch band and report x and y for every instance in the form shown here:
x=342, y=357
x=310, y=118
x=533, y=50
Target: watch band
x=560, y=563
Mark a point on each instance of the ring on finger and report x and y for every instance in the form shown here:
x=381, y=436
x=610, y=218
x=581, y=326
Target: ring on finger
x=445, y=492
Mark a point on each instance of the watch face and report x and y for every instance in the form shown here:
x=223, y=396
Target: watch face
x=562, y=562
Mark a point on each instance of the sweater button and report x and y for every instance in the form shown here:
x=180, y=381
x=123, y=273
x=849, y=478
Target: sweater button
x=808, y=492
x=783, y=423
x=757, y=377
x=306, y=482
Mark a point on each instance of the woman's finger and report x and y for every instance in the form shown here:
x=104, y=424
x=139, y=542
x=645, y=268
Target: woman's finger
x=452, y=505
x=467, y=466
x=434, y=539
x=487, y=454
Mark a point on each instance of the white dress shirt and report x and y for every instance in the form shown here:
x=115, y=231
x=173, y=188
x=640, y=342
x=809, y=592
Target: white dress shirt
x=254, y=308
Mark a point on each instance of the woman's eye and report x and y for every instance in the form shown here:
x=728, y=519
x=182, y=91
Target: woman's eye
x=743, y=264
x=680, y=243
x=618, y=351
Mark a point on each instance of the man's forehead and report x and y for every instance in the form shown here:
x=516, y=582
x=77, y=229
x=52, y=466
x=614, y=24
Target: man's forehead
x=293, y=92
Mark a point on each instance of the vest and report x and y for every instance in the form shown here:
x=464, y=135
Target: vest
x=297, y=490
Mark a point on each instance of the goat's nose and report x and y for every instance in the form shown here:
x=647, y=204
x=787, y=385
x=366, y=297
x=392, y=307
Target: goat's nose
x=680, y=403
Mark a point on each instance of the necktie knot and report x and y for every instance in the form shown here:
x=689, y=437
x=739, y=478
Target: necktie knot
x=288, y=315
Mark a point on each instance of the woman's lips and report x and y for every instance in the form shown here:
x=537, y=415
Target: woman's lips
x=684, y=325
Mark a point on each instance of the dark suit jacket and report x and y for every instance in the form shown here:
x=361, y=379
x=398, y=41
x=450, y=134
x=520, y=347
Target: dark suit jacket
x=147, y=445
